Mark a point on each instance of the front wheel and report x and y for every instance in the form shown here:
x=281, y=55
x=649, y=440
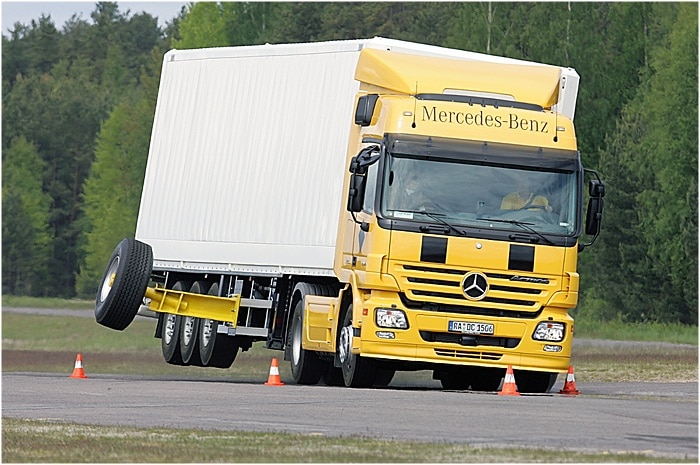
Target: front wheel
x=486, y=379
x=123, y=284
x=333, y=376
x=534, y=381
x=358, y=371
x=456, y=379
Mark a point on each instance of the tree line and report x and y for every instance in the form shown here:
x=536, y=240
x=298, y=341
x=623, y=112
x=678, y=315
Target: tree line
x=78, y=106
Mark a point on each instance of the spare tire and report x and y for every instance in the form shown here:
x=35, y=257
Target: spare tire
x=123, y=284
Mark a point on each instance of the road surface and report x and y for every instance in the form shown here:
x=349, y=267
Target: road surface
x=657, y=419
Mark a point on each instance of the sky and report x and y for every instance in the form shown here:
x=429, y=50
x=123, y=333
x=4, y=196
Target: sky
x=25, y=11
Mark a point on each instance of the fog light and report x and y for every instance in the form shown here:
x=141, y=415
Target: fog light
x=385, y=335
x=391, y=318
x=549, y=331
x=552, y=348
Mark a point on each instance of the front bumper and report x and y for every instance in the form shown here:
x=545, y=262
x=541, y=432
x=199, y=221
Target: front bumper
x=428, y=339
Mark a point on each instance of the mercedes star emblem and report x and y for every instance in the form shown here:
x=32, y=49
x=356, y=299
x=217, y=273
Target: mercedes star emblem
x=475, y=286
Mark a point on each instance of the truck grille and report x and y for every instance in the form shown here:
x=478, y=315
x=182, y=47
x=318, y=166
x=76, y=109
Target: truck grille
x=439, y=289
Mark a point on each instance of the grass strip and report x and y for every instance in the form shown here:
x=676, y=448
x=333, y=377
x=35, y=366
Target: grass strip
x=674, y=333
x=34, y=441
x=46, y=302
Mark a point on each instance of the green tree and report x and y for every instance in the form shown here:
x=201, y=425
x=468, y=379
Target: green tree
x=648, y=259
x=249, y=23
x=113, y=188
x=218, y=24
x=26, y=239
x=669, y=207
x=311, y=21
x=60, y=88
x=204, y=25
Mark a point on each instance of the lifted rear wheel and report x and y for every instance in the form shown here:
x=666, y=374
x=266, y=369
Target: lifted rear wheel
x=124, y=284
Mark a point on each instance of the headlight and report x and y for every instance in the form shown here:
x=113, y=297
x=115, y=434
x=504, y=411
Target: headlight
x=391, y=318
x=549, y=331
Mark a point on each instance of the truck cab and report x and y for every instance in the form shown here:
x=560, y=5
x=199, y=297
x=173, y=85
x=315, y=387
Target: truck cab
x=463, y=221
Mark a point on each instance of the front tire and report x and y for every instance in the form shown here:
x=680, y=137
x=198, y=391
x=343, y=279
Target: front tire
x=123, y=284
x=383, y=376
x=534, y=381
x=486, y=379
x=358, y=371
x=456, y=379
x=333, y=376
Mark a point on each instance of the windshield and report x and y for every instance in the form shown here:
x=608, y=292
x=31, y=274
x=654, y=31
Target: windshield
x=469, y=191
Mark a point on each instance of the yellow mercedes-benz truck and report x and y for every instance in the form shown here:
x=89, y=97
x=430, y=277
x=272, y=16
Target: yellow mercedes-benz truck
x=365, y=206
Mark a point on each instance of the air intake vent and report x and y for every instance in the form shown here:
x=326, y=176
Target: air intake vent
x=468, y=354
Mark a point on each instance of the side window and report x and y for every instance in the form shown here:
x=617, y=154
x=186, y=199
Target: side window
x=370, y=193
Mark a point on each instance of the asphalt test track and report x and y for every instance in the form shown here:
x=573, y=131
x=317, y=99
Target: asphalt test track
x=658, y=419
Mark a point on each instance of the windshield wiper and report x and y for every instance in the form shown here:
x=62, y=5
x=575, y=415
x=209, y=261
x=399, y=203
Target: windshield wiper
x=437, y=217
x=522, y=224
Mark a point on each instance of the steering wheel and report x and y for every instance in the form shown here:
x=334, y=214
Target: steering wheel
x=533, y=207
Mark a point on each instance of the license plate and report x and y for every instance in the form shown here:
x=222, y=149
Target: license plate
x=470, y=327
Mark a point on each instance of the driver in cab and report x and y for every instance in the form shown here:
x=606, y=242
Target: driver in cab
x=524, y=199
x=411, y=196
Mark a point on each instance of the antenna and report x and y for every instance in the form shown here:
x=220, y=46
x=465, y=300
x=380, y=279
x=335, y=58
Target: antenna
x=415, y=105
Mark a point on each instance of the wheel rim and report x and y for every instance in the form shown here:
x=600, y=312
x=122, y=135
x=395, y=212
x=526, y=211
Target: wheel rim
x=169, y=328
x=110, y=276
x=345, y=345
x=188, y=330
x=207, y=331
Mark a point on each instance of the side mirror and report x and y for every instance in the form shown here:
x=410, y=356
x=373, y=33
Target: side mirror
x=596, y=188
x=358, y=180
x=594, y=215
x=356, y=194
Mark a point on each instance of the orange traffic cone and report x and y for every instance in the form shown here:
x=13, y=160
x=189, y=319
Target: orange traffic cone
x=78, y=371
x=570, y=384
x=274, y=378
x=509, y=386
